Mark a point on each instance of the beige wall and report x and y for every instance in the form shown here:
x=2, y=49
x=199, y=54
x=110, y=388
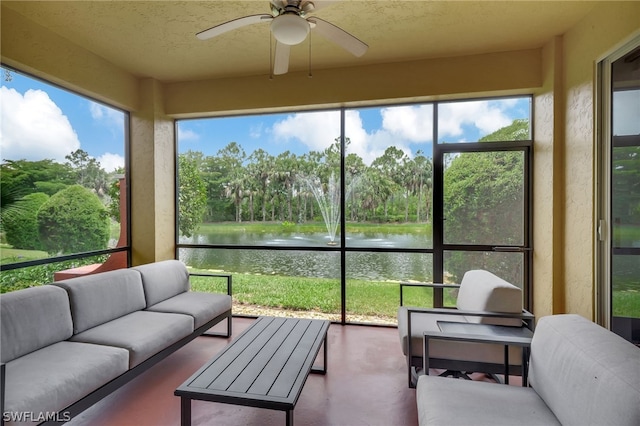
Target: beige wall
x=583, y=46
x=548, y=175
x=505, y=72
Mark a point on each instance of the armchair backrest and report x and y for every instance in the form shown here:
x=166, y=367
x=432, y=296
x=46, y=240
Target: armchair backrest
x=481, y=290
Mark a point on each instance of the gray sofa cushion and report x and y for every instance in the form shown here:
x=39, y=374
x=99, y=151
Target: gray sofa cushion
x=585, y=373
x=142, y=333
x=33, y=318
x=162, y=280
x=203, y=307
x=96, y=299
x=446, y=401
x=56, y=376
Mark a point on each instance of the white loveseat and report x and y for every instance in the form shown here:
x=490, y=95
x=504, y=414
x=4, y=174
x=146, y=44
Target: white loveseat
x=579, y=374
x=68, y=344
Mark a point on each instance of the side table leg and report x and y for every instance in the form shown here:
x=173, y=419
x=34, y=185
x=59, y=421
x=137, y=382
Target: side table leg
x=506, y=364
x=289, y=417
x=185, y=411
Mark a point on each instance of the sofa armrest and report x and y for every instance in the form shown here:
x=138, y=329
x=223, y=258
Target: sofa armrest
x=424, y=285
x=215, y=275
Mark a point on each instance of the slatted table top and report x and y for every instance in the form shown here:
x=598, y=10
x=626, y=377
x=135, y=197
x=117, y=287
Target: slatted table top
x=266, y=366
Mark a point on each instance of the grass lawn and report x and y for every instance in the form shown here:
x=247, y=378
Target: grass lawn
x=11, y=255
x=313, y=227
x=374, y=298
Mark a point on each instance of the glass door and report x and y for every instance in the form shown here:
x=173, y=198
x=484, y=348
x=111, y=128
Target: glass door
x=625, y=197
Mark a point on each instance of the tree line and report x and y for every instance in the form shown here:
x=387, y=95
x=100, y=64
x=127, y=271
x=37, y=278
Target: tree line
x=267, y=188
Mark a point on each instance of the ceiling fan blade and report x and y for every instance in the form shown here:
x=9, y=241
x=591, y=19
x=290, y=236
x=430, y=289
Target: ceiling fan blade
x=281, y=61
x=339, y=36
x=232, y=25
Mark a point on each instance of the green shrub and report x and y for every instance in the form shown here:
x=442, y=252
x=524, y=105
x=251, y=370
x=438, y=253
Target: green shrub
x=73, y=221
x=21, y=227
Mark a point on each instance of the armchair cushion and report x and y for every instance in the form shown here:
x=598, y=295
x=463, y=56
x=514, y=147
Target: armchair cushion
x=481, y=290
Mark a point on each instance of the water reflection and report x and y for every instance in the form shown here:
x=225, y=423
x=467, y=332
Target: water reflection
x=360, y=265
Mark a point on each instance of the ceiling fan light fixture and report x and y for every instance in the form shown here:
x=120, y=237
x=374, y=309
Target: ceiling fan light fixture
x=290, y=29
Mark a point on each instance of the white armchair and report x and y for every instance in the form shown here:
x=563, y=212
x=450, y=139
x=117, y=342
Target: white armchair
x=482, y=298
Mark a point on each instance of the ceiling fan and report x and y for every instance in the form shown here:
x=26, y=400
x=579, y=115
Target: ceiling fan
x=290, y=25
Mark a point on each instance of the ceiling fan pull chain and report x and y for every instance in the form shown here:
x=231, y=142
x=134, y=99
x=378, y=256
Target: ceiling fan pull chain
x=270, y=56
x=310, y=75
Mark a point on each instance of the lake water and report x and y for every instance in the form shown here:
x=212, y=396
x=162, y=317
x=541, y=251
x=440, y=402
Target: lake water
x=359, y=265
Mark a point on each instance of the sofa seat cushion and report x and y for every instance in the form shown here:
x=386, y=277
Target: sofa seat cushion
x=446, y=401
x=142, y=333
x=203, y=307
x=54, y=377
x=33, y=318
x=448, y=349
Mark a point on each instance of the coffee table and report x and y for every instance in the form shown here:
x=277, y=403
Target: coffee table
x=483, y=333
x=265, y=367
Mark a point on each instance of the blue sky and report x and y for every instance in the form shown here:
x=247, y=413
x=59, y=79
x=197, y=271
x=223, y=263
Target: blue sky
x=40, y=121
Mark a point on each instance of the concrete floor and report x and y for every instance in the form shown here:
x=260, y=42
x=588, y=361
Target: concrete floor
x=365, y=384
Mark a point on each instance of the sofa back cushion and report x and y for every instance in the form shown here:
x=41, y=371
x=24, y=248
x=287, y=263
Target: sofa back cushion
x=585, y=373
x=99, y=298
x=162, y=280
x=481, y=290
x=33, y=318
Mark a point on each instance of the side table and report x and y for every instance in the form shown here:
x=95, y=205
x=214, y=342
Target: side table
x=483, y=333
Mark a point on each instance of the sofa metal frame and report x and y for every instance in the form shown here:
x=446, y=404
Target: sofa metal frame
x=455, y=367
x=78, y=407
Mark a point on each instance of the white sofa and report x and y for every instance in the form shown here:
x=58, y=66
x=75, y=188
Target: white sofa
x=483, y=298
x=579, y=374
x=68, y=344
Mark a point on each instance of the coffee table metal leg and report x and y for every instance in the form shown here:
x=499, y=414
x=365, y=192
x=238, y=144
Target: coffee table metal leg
x=185, y=411
x=289, y=417
x=323, y=369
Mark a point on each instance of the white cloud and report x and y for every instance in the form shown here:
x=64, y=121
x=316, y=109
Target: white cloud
x=106, y=115
x=110, y=162
x=487, y=116
x=34, y=128
x=316, y=130
x=401, y=127
x=255, y=131
x=185, y=135
x=413, y=123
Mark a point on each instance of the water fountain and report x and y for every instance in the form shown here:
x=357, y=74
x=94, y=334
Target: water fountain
x=328, y=201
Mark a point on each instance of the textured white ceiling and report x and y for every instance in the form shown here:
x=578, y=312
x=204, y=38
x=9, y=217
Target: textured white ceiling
x=157, y=38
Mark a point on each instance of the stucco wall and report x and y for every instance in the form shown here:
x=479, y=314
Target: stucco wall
x=584, y=45
x=548, y=178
